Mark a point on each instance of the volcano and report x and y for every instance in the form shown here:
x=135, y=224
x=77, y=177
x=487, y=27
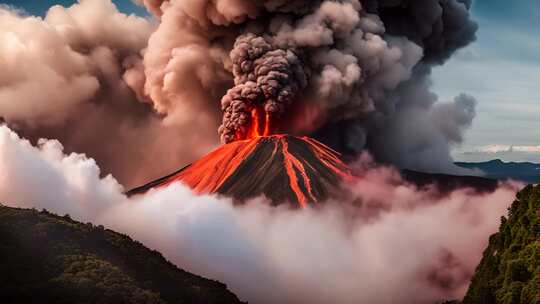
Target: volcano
x=284, y=168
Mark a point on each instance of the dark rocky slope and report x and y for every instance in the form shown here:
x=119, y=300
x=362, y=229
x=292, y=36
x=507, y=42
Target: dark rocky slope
x=283, y=168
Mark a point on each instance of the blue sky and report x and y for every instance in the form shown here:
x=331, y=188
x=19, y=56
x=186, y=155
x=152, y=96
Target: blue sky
x=39, y=7
x=501, y=69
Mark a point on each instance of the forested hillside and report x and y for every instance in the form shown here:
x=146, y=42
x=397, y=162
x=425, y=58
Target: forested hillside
x=510, y=269
x=46, y=258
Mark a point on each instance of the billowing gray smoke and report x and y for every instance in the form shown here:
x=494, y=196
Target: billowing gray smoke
x=354, y=74
x=349, y=72
x=347, y=63
x=265, y=76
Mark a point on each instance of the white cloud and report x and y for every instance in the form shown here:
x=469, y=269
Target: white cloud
x=508, y=148
x=401, y=244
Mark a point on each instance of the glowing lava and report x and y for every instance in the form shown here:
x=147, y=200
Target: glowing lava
x=293, y=165
x=283, y=168
x=259, y=126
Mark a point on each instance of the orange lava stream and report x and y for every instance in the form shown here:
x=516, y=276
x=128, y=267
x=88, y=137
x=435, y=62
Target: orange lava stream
x=210, y=172
x=330, y=158
x=292, y=164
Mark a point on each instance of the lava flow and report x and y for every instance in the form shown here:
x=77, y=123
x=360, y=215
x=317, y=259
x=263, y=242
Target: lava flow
x=260, y=125
x=281, y=167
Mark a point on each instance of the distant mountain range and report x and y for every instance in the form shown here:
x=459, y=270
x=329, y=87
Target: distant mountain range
x=497, y=169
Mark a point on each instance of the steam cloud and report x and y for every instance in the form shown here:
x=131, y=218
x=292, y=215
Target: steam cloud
x=391, y=243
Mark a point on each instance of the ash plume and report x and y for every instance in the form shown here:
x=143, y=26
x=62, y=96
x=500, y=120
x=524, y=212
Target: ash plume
x=353, y=74
x=362, y=65
x=264, y=76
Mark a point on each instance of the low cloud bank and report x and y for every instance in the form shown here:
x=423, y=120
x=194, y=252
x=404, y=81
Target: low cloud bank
x=392, y=243
x=508, y=148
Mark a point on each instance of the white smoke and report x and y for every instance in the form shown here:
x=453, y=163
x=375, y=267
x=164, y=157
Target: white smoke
x=51, y=66
x=493, y=149
x=394, y=244
x=66, y=76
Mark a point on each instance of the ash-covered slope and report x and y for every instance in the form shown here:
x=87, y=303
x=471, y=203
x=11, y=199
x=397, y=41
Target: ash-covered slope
x=281, y=167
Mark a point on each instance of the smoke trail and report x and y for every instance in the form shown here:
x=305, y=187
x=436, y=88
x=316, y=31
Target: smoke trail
x=392, y=243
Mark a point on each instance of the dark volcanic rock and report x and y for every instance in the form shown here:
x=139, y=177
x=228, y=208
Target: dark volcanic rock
x=448, y=183
x=283, y=168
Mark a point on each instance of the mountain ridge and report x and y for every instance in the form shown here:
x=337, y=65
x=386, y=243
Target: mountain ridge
x=46, y=258
x=527, y=172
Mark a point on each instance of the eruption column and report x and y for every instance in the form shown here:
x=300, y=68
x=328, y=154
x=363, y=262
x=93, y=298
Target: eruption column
x=267, y=78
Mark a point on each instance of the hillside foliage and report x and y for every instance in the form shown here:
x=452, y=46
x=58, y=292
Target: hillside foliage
x=509, y=272
x=45, y=258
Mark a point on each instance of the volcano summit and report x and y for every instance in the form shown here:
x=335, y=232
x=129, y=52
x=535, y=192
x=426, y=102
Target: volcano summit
x=283, y=168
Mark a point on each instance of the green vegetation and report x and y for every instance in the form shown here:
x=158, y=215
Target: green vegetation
x=510, y=269
x=46, y=258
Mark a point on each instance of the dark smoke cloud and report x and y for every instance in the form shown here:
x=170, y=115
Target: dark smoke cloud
x=128, y=91
x=360, y=65
x=265, y=76
x=440, y=27
x=421, y=132
x=406, y=134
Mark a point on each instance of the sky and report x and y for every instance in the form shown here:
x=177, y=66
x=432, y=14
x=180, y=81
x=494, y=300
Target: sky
x=40, y=7
x=501, y=69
